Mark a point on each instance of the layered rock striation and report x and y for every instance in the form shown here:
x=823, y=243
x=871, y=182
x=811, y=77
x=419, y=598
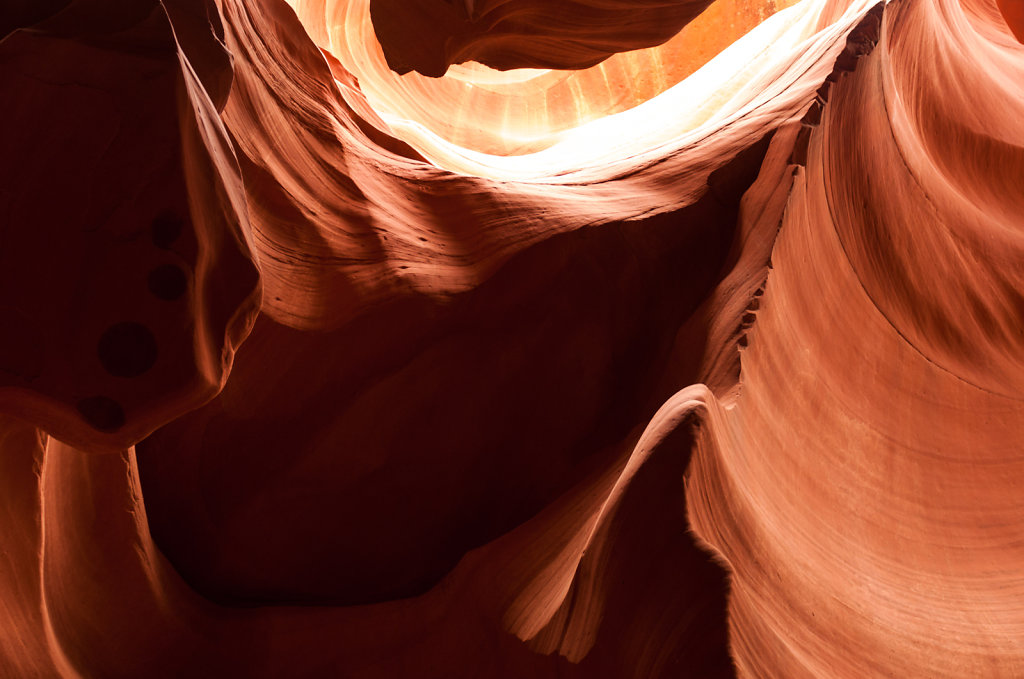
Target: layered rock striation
x=724, y=383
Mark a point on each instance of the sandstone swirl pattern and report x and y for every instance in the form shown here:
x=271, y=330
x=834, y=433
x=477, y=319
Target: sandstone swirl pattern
x=726, y=383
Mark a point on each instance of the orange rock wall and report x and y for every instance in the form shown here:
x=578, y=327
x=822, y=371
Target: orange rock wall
x=283, y=397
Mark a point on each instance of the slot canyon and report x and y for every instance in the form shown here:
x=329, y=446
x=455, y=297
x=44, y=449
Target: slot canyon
x=511, y=339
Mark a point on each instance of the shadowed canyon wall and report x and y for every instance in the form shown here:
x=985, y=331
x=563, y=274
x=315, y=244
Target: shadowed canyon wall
x=701, y=360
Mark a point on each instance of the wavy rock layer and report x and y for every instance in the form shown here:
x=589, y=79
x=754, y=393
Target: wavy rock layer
x=871, y=464
x=736, y=394
x=479, y=109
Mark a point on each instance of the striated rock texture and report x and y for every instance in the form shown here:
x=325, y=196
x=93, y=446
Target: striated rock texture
x=526, y=110
x=294, y=384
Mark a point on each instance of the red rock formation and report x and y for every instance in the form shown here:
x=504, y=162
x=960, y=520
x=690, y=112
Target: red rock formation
x=1013, y=13
x=127, y=275
x=871, y=463
x=723, y=383
x=430, y=35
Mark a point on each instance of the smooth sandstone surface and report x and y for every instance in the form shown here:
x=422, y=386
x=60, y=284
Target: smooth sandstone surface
x=303, y=374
